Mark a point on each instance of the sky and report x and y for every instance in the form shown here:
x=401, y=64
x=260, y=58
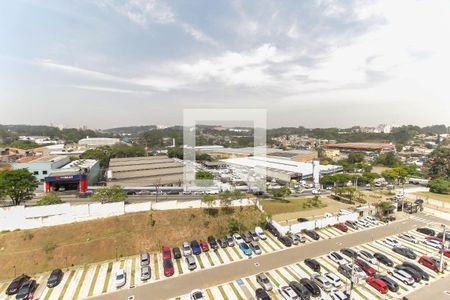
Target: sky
x=110, y=63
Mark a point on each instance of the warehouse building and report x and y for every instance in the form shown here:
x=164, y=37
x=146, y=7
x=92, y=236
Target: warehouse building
x=145, y=171
x=41, y=166
x=361, y=147
x=98, y=142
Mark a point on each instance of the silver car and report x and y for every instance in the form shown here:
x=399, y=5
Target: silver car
x=230, y=241
x=255, y=248
x=145, y=259
x=322, y=282
x=262, y=279
x=145, y=273
x=190, y=262
x=186, y=249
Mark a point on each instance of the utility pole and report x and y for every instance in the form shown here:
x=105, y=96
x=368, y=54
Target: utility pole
x=441, y=263
x=352, y=278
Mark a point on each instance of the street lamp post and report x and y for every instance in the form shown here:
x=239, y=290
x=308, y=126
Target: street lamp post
x=14, y=267
x=441, y=263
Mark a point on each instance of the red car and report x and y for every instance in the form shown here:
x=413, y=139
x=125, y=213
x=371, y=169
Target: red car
x=430, y=238
x=431, y=263
x=341, y=227
x=166, y=253
x=168, y=267
x=366, y=267
x=446, y=253
x=378, y=284
x=204, y=246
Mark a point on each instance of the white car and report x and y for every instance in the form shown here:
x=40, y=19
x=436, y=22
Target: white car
x=362, y=223
x=334, y=279
x=339, y=295
x=288, y=293
x=337, y=258
x=121, y=278
x=260, y=232
x=300, y=238
x=367, y=256
x=408, y=237
x=392, y=242
x=322, y=282
x=315, y=192
x=197, y=295
x=186, y=249
x=371, y=220
x=433, y=243
x=237, y=238
x=343, y=212
x=402, y=276
x=359, y=273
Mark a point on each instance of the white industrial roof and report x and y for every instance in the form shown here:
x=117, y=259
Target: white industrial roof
x=81, y=164
x=306, y=169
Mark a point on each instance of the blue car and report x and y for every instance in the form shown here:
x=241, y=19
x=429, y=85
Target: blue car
x=246, y=249
x=196, y=248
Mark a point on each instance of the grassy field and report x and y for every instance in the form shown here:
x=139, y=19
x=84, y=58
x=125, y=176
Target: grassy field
x=276, y=207
x=440, y=197
x=43, y=249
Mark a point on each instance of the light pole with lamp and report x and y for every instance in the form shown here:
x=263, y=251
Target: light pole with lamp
x=441, y=263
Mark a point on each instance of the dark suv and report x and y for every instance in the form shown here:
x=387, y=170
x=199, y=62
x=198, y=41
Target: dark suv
x=313, y=264
x=15, y=285
x=312, y=234
x=405, y=252
x=272, y=230
x=213, y=243
x=426, y=231
x=301, y=291
x=55, y=278
x=26, y=291
x=311, y=286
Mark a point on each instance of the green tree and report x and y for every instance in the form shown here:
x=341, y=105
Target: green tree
x=18, y=185
x=280, y=192
x=208, y=200
x=356, y=157
x=50, y=198
x=391, y=175
x=438, y=163
x=204, y=175
x=114, y=193
x=439, y=185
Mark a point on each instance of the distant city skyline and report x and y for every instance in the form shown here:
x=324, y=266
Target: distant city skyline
x=114, y=63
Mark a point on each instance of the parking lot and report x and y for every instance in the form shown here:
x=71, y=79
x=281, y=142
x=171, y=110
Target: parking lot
x=244, y=288
x=98, y=278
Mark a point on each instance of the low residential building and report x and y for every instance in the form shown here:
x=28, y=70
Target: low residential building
x=41, y=166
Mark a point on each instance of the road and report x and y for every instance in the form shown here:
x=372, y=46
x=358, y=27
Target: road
x=183, y=284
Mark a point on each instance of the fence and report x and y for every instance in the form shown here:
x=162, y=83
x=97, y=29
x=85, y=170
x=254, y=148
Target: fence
x=21, y=217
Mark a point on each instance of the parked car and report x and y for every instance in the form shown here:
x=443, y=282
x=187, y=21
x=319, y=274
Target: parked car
x=213, y=243
x=237, y=238
x=272, y=230
x=15, y=285
x=195, y=246
x=230, y=241
x=392, y=242
x=383, y=259
x=285, y=240
x=176, y=253
x=312, y=264
x=367, y=256
x=246, y=237
x=431, y=263
x=27, y=289
x=333, y=279
x=287, y=293
x=372, y=220
x=144, y=258
x=426, y=231
x=168, y=267
x=311, y=286
x=300, y=238
x=365, y=267
x=197, y=295
x=261, y=294
x=408, y=237
x=190, y=262
x=301, y=291
x=418, y=269
x=447, y=235
x=204, y=246
x=402, y=276
x=414, y=274
x=336, y=257
x=341, y=227
x=349, y=252
x=391, y=284
x=346, y=270
x=254, y=235
x=301, y=220
x=223, y=242
x=245, y=249
x=293, y=239
x=446, y=253
x=55, y=278
x=166, y=253
x=361, y=223
x=378, y=284
x=404, y=251
x=352, y=224
x=322, y=282
x=312, y=234
x=145, y=273
x=433, y=243
x=260, y=232
x=264, y=282
x=186, y=249
x=255, y=248
x=339, y=295
x=121, y=278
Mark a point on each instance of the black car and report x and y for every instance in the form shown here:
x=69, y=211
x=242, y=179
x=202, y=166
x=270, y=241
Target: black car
x=246, y=237
x=176, y=253
x=27, y=290
x=427, y=231
x=15, y=285
x=301, y=220
x=447, y=236
x=261, y=294
x=301, y=291
x=272, y=230
x=391, y=284
x=213, y=243
x=223, y=242
x=55, y=278
x=313, y=264
x=411, y=265
x=349, y=252
x=311, y=286
x=312, y=234
x=352, y=224
x=405, y=252
x=383, y=259
x=414, y=274
x=285, y=240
